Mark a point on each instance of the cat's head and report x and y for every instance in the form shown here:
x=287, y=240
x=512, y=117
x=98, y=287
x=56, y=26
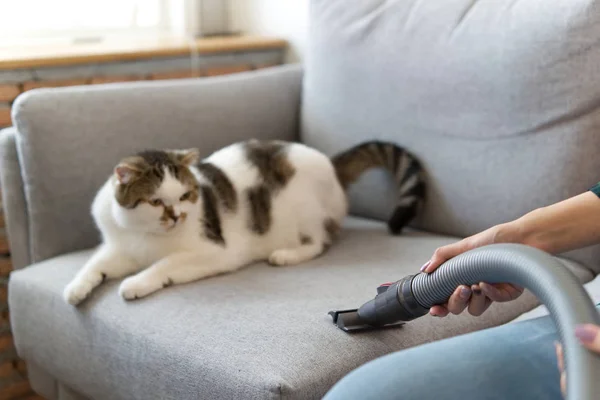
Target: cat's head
x=155, y=191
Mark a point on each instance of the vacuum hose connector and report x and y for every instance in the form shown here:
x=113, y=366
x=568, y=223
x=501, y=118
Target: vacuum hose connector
x=547, y=278
x=396, y=303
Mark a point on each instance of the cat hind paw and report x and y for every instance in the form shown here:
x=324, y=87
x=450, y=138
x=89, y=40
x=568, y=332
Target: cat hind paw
x=283, y=257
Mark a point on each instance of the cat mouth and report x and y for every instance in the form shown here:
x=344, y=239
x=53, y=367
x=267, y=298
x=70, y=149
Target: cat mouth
x=171, y=224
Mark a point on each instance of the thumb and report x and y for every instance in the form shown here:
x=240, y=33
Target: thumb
x=589, y=336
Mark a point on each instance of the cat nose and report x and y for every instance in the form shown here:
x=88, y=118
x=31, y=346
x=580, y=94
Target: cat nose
x=174, y=217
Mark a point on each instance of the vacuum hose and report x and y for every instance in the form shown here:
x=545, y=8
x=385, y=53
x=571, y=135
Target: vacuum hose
x=553, y=284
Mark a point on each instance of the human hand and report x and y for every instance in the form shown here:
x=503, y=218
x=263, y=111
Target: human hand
x=477, y=298
x=589, y=337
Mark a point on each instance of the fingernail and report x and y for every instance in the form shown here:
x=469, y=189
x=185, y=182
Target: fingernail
x=425, y=265
x=586, y=334
x=465, y=293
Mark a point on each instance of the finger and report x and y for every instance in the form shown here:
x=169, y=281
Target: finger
x=559, y=356
x=589, y=336
x=510, y=287
x=443, y=254
x=519, y=289
x=563, y=384
x=500, y=292
x=479, y=302
x=439, y=311
x=459, y=299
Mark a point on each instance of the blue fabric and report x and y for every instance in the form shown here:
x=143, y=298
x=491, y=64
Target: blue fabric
x=515, y=361
x=596, y=189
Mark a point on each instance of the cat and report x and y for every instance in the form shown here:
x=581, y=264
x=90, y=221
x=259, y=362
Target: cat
x=172, y=218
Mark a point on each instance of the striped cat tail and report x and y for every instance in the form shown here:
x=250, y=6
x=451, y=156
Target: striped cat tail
x=405, y=169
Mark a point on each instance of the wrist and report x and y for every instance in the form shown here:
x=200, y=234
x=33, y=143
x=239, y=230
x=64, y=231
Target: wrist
x=531, y=230
x=510, y=232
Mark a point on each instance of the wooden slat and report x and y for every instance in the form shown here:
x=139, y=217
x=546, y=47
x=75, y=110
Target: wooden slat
x=115, y=79
x=4, y=245
x=53, y=83
x=262, y=66
x=4, y=318
x=5, y=266
x=15, y=390
x=188, y=73
x=8, y=92
x=226, y=70
x=5, y=119
x=6, y=342
x=16, y=57
x=7, y=368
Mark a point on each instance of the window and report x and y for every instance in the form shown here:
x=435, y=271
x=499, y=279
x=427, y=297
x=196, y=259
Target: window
x=35, y=21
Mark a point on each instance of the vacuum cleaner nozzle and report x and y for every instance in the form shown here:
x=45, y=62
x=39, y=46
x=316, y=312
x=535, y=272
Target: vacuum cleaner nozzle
x=350, y=321
x=393, y=306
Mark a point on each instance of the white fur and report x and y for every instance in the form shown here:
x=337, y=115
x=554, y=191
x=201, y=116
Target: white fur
x=134, y=240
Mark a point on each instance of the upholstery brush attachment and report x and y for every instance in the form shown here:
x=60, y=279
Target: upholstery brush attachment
x=392, y=307
x=350, y=321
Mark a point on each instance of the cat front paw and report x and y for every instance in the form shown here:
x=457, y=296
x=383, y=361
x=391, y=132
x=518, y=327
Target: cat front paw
x=136, y=287
x=284, y=257
x=78, y=290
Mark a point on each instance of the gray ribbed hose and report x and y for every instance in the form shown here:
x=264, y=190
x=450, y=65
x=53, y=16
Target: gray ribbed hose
x=551, y=282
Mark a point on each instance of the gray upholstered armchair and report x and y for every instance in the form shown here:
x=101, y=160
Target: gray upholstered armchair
x=497, y=99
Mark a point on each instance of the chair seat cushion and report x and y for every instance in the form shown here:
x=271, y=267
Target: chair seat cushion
x=260, y=333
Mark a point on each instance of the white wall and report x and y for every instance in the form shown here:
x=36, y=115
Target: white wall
x=285, y=18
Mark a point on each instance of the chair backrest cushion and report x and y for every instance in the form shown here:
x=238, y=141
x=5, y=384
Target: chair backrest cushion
x=499, y=99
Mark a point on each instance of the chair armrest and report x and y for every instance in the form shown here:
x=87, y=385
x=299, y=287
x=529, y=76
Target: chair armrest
x=13, y=199
x=69, y=139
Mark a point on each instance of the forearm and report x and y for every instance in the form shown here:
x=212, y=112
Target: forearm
x=564, y=226
x=571, y=224
x=561, y=227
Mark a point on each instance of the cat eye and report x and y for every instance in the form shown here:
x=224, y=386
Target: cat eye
x=185, y=196
x=155, y=202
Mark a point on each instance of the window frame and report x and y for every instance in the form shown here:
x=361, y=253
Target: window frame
x=179, y=18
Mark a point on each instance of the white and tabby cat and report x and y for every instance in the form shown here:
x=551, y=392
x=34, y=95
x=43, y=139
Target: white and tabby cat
x=172, y=218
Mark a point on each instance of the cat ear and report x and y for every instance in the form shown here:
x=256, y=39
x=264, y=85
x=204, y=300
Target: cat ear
x=125, y=174
x=127, y=170
x=189, y=156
